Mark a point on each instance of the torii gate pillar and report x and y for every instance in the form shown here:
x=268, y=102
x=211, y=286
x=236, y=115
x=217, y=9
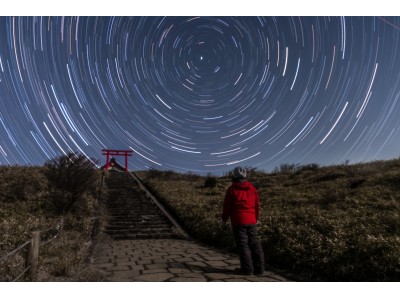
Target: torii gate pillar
x=109, y=152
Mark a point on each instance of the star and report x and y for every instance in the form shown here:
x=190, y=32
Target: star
x=200, y=94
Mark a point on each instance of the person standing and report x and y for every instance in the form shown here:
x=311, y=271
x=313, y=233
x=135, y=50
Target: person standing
x=242, y=206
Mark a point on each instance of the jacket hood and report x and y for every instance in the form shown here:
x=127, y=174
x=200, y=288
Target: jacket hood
x=246, y=185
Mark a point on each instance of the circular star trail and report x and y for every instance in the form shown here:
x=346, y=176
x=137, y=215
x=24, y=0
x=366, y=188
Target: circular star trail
x=200, y=94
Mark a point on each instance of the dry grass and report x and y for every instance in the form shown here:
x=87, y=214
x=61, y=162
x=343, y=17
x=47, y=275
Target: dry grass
x=24, y=207
x=337, y=223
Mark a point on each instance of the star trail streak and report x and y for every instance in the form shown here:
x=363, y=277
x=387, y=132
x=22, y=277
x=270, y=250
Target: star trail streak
x=200, y=94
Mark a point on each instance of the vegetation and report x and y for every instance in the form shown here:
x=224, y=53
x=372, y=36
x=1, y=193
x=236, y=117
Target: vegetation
x=210, y=182
x=336, y=223
x=31, y=198
x=71, y=178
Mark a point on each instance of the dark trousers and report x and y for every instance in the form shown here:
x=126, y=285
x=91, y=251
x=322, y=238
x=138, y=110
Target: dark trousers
x=250, y=251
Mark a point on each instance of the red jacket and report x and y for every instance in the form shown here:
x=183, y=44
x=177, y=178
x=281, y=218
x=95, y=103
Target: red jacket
x=241, y=204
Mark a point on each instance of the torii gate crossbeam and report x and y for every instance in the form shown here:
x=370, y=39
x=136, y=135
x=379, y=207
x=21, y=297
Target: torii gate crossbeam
x=109, y=153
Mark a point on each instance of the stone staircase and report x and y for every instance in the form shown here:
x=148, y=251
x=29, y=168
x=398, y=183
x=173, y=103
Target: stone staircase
x=130, y=214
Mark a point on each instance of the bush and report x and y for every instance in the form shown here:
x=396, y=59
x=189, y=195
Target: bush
x=210, y=182
x=21, y=184
x=328, y=224
x=309, y=167
x=71, y=178
x=26, y=205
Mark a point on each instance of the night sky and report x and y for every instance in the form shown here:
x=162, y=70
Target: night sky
x=200, y=94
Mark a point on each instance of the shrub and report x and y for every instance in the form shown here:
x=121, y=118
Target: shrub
x=286, y=169
x=330, y=224
x=21, y=184
x=309, y=167
x=24, y=207
x=355, y=182
x=210, y=182
x=154, y=173
x=71, y=177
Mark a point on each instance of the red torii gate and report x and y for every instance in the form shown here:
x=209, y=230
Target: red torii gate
x=109, y=152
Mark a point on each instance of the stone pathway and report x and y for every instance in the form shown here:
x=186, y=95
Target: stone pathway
x=158, y=260
x=140, y=244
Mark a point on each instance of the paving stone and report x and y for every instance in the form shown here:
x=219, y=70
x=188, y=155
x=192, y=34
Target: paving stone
x=236, y=280
x=155, y=257
x=191, y=275
x=216, y=276
x=216, y=263
x=215, y=280
x=119, y=268
x=104, y=265
x=147, y=257
x=177, y=270
x=125, y=275
x=232, y=261
x=157, y=277
x=152, y=271
x=143, y=262
x=262, y=279
x=175, y=252
x=172, y=257
x=277, y=277
x=219, y=258
x=162, y=260
x=184, y=259
x=196, y=263
x=122, y=259
x=188, y=279
x=156, y=266
x=132, y=266
x=176, y=265
x=102, y=260
x=195, y=257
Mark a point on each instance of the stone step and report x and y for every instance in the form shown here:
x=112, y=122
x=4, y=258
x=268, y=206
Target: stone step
x=136, y=221
x=143, y=236
x=136, y=213
x=138, y=230
x=131, y=214
x=138, y=226
x=136, y=216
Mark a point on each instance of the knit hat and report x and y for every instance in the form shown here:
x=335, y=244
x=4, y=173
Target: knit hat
x=239, y=173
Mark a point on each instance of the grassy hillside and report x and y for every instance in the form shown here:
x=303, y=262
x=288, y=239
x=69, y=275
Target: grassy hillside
x=26, y=204
x=336, y=223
